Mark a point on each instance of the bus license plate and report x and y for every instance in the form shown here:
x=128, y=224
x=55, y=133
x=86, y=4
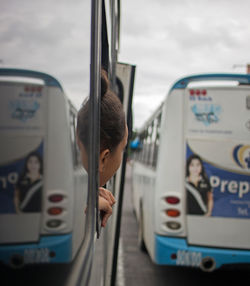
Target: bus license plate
x=40, y=255
x=188, y=258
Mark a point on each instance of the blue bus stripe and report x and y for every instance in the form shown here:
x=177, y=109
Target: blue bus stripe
x=166, y=246
x=60, y=245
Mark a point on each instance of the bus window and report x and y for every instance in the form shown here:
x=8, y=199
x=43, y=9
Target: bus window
x=75, y=149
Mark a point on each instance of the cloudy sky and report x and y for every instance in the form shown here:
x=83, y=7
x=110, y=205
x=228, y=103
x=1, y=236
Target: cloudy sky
x=164, y=39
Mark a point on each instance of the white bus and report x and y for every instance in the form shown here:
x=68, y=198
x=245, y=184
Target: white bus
x=42, y=181
x=191, y=174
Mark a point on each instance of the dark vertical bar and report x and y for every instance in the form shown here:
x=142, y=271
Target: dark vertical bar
x=105, y=43
x=81, y=268
x=123, y=172
x=113, y=44
x=118, y=24
x=94, y=118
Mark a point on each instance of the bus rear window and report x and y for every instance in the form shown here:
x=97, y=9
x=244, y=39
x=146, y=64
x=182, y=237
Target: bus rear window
x=211, y=112
x=21, y=107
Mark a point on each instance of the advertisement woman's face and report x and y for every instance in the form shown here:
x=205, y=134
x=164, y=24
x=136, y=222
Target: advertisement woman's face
x=33, y=164
x=195, y=167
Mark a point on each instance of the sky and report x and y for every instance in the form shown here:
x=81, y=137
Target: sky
x=165, y=40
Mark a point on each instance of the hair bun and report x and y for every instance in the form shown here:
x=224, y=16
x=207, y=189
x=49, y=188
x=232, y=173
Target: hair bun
x=104, y=83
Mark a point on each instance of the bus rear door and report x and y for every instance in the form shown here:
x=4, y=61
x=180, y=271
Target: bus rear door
x=218, y=131
x=22, y=124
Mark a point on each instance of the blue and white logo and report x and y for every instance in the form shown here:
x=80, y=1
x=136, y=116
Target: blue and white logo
x=23, y=110
x=241, y=156
x=206, y=113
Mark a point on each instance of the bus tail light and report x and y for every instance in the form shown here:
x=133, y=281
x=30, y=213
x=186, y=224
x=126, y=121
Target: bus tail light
x=55, y=211
x=173, y=212
x=198, y=92
x=173, y=225
x=55, y=198
x=54, y=223
x=203, y=92
x=172, y=200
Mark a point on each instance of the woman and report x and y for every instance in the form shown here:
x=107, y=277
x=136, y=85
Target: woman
x=199, y=195
x=113, y=140
x=28, y=190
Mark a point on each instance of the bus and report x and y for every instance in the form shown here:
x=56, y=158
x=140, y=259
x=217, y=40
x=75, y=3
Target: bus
x=42, y=180
x=191, y=174
x=37, y=127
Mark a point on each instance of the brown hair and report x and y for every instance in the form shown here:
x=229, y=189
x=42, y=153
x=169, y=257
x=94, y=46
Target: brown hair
x=112, y=123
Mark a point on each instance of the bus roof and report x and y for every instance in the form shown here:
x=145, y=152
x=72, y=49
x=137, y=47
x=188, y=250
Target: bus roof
x=48, y=79
x=183, y=82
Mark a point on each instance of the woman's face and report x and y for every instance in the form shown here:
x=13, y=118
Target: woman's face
x=83, y=153
x=195, y=167
x=109, y=161
x=33, y=165
x=112, y=160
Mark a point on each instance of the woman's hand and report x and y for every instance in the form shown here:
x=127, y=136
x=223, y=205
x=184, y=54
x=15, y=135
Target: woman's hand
x=106, y=201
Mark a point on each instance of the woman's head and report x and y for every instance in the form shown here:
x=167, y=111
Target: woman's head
x=113, y=129
x=33, y=163
x=194, y=166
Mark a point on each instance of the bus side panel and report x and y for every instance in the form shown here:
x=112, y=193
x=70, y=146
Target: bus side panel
x=143, y=200
x=59, y=162
x=148, y=211
x=136, y=189
x=80, y=203
x=169, y=171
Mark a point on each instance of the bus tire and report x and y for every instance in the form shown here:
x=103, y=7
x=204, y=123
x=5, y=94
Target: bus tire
x=141, y=242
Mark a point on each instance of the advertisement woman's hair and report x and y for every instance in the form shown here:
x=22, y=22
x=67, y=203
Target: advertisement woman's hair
x=26, y=170
x=190, y=159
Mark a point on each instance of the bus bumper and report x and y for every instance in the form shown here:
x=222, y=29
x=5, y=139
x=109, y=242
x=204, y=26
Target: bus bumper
x=50, y=249
x=176, y=251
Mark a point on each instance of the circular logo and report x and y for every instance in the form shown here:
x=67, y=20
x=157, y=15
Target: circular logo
x=241, y=155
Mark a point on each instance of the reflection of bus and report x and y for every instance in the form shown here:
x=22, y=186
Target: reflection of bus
x=40, y=224
x=191, y=178
x=37, y=118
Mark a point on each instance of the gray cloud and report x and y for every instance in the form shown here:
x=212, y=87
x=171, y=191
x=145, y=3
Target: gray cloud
x=164, y=39
x=171, y=39
x=48, y=36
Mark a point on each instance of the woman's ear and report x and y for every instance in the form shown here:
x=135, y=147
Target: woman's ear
x=104, y=156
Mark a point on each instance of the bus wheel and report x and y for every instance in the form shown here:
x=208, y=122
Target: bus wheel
x=141, y=242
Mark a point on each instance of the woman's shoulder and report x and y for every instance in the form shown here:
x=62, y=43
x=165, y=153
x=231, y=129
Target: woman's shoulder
x=204, y=183
x=23, y=180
